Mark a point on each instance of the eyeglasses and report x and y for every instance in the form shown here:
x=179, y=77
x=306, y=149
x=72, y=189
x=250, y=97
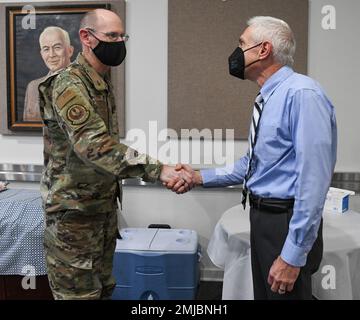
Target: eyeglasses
x=112, y=36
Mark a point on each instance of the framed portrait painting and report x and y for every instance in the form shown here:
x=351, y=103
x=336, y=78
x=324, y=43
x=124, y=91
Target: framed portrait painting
x=28, y=63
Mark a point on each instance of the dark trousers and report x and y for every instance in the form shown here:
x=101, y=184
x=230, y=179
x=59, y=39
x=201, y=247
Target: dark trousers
x=268, y=234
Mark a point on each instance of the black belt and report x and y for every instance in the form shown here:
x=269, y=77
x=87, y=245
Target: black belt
x=272, y=205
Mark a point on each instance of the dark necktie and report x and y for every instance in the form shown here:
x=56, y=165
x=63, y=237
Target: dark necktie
x=258, y=108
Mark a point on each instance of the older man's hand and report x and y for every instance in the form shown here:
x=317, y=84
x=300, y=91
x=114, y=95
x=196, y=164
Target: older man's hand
x=282, y=276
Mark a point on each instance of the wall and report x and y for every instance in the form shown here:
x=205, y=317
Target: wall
x=333, y=61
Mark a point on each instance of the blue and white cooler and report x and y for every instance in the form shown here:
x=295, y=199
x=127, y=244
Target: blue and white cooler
x=156, y=264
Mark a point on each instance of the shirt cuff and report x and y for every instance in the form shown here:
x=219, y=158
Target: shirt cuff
x=294, y=255
x=209, y=177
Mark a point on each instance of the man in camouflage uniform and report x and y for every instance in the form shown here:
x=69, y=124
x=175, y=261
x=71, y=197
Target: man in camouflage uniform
x=84, y=161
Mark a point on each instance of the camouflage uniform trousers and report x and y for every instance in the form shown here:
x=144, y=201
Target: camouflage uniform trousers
x=79, y=249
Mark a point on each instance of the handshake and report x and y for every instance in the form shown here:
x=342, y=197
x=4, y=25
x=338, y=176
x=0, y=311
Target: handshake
x=181, y=178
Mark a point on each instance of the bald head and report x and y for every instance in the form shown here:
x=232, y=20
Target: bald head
x=99, y=25
x=100, y=19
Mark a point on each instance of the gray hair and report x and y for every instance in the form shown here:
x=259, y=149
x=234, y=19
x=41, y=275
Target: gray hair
x=64, y=33
x=278, y=33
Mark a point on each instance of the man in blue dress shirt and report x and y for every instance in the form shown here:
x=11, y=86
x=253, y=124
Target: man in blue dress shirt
x=292, y=147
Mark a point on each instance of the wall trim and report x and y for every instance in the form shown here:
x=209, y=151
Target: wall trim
x=32, y=173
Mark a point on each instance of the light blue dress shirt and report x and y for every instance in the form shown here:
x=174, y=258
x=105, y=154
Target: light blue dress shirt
x=294, y=156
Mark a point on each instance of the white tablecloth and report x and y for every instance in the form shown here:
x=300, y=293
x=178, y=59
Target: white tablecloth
x=229, y=249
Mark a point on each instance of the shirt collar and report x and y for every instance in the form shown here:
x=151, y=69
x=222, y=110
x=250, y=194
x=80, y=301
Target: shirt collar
x=274, y=81
x=98, y=81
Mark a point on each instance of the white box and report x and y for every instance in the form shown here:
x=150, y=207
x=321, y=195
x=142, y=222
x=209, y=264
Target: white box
x=337, y=200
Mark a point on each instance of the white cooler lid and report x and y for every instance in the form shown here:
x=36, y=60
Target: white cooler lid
x=158, y=240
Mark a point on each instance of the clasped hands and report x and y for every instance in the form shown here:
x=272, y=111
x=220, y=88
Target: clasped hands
x=181, y=178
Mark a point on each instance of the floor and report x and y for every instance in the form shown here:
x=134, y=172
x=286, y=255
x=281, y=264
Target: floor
x=10, y=289
x=209, y=290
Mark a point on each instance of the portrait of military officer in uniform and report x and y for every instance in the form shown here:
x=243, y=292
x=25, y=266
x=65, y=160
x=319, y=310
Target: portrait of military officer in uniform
x=56, y=52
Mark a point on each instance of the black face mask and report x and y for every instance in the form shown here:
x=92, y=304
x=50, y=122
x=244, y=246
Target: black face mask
x=110, y=53
x=237, y=62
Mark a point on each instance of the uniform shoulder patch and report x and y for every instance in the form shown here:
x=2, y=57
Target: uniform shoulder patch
x=66, y=96
x=77, y=114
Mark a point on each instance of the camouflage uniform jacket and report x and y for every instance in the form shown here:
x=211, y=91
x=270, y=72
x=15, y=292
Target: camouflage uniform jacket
x=82, y=154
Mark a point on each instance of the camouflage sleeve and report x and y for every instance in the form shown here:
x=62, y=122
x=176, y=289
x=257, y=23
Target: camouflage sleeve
x=89, y=136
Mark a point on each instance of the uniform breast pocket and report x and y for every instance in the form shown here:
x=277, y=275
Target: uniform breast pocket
x=268, y=144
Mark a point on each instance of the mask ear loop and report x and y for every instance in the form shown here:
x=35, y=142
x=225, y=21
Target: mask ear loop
x=250, y=49
x=253, y=46
x=90, y=32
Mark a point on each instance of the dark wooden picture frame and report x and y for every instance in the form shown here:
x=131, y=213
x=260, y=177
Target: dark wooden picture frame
x=24, y=62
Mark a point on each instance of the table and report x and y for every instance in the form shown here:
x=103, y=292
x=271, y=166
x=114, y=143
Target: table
x=229, y=249
x=21, y=245
x=21, y=232
x=338, y=276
